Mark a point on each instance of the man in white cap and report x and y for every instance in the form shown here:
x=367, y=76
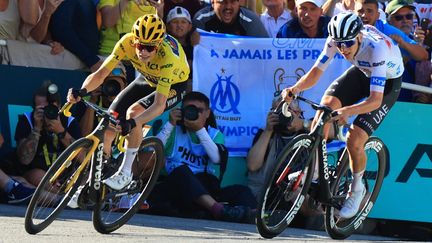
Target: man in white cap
x=310, y=21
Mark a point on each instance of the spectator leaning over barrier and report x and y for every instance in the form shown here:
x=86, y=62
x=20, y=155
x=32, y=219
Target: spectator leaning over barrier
x=226, y=16
x=41, y=135
x=309, y=23
x=275, y=16
x=192, y=6
x=402, y=15
x=36, y=16
x=73, y=24
x=17, y=189
x=193, y=146
x=368, y=12
x=22, y=48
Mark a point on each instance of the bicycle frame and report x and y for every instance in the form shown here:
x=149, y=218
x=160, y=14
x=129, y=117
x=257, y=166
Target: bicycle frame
x=325, y=175
x=95, y=152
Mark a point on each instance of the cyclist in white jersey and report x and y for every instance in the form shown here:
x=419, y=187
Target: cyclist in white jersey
x=367, y=89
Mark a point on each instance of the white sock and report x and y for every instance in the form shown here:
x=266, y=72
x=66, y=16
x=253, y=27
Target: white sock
x=128, y=159
x=357, y=181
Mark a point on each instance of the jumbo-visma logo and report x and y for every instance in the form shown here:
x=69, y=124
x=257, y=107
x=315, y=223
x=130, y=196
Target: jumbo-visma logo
x=225, y=95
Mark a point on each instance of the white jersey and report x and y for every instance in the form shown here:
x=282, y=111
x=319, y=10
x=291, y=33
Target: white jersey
x=378, y=57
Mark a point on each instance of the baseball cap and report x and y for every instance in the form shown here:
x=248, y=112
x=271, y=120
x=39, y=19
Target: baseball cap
x=394, y=5
x=318, y=3
x=178, y=12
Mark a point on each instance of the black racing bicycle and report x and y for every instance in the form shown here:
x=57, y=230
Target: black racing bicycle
x=81, y=165
x=289, y=184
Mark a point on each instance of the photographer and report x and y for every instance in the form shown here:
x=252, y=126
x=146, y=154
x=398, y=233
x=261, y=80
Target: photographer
x=103, y=96
x=269, y=141
x=42, y=134
x=193, y=147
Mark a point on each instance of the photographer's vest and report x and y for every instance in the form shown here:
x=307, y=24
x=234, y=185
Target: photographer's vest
x=49, y=156
x=186, y=152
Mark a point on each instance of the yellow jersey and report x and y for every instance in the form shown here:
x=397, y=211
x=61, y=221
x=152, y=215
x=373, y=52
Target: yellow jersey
x=169, y=66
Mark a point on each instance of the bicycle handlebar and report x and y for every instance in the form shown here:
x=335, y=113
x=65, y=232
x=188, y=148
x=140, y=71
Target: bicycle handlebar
x=99, y=112
x=338, y=128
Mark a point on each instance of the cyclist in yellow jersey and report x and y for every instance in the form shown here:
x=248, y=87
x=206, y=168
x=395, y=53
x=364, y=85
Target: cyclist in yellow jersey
x=163, y=68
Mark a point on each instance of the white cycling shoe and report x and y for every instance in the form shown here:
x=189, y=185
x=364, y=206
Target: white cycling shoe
x=73, y=203
x=118, y=181
x=352, y=203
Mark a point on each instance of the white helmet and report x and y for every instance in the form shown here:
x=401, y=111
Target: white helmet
x=344, y=26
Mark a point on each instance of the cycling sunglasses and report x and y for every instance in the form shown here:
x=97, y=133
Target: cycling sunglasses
x=399, y=17
x=148, y=48
x=345, y=44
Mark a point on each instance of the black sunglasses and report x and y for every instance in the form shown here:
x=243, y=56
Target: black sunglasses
x=148, y=48
x=345, y=44
x=399, y=17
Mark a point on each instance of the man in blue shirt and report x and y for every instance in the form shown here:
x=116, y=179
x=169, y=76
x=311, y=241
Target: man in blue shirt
x=310, y=21
x=368, y=12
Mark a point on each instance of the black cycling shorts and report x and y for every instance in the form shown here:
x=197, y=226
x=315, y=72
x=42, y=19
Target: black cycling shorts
x=353, y=86
x=140, y=91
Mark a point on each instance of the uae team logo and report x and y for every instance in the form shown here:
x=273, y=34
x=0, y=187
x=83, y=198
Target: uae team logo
x=225, y=95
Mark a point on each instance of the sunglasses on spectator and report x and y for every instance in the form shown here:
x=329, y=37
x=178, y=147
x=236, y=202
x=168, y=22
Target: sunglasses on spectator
x=399, y=17
x=345, y=44
x=148, y=48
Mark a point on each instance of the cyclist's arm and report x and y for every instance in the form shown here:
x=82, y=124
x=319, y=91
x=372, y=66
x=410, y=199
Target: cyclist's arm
x=308, y=80
x=95, y=79
x=154, y=110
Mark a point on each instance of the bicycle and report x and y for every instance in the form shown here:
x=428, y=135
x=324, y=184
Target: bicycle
x=290, y=182
x=81, y=164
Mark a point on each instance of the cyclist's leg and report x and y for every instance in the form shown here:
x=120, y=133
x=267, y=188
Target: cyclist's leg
x=127, y=105
x=133, y=92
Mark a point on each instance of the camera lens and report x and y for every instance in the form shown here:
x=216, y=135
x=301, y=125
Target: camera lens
x=111, y=88
x=51, y=112
x=190, y=112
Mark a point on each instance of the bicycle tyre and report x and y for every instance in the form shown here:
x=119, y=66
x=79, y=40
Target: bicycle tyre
x=278, y=195
x=103, y=209
x=46, y=195
x=373, y=177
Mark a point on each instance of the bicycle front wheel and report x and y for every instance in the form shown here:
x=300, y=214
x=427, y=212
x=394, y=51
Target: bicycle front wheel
x=57, y=186
x=116, y=207
x=377, y=159
x=286, y=187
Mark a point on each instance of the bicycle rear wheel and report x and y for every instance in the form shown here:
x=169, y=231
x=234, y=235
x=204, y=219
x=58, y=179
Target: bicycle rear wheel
x=116, y=207
x=57, y=187
x=377, y=158
x=286, y=187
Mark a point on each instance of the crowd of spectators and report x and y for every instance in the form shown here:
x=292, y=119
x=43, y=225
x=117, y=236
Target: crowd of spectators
x=79, y=34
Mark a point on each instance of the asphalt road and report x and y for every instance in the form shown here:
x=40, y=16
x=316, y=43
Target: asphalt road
x=76, y=226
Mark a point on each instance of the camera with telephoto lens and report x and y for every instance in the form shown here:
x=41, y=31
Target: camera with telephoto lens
x=111, y=87
x=284, y=117
x=51, y=110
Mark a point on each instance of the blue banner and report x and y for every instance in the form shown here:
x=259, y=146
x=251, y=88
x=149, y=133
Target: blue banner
x=241, y=76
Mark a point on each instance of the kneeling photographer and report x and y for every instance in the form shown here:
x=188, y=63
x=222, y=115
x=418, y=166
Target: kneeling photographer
x=281, y=126
x=41, y=135
x=194, y=147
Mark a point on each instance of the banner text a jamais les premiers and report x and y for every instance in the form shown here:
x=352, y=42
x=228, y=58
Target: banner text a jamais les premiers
x=241, y=76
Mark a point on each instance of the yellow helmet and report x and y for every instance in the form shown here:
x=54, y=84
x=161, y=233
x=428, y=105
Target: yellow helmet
x=149, y=29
